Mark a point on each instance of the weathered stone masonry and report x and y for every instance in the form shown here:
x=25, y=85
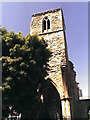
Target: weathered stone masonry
x=50, y=25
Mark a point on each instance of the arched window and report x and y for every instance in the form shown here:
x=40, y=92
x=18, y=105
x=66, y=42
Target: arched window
x=46, y=24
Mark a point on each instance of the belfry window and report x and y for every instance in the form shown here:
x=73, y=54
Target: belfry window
x=46, y=24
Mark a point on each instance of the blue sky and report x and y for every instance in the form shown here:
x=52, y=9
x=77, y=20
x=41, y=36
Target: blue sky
x=16, y=16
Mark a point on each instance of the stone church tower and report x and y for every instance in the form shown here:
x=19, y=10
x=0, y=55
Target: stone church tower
x=50, y=25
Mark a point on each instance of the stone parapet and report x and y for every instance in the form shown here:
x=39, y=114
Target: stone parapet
x=46, y=12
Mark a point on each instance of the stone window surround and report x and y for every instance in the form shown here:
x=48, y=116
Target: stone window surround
x=47, y=30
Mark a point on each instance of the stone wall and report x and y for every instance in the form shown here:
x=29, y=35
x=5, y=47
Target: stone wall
x=56, y=21
x=56, y=43
x=61, y=70
x=81, y=109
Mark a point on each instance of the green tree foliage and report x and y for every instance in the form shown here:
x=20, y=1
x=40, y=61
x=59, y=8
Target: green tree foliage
x=24, y=65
